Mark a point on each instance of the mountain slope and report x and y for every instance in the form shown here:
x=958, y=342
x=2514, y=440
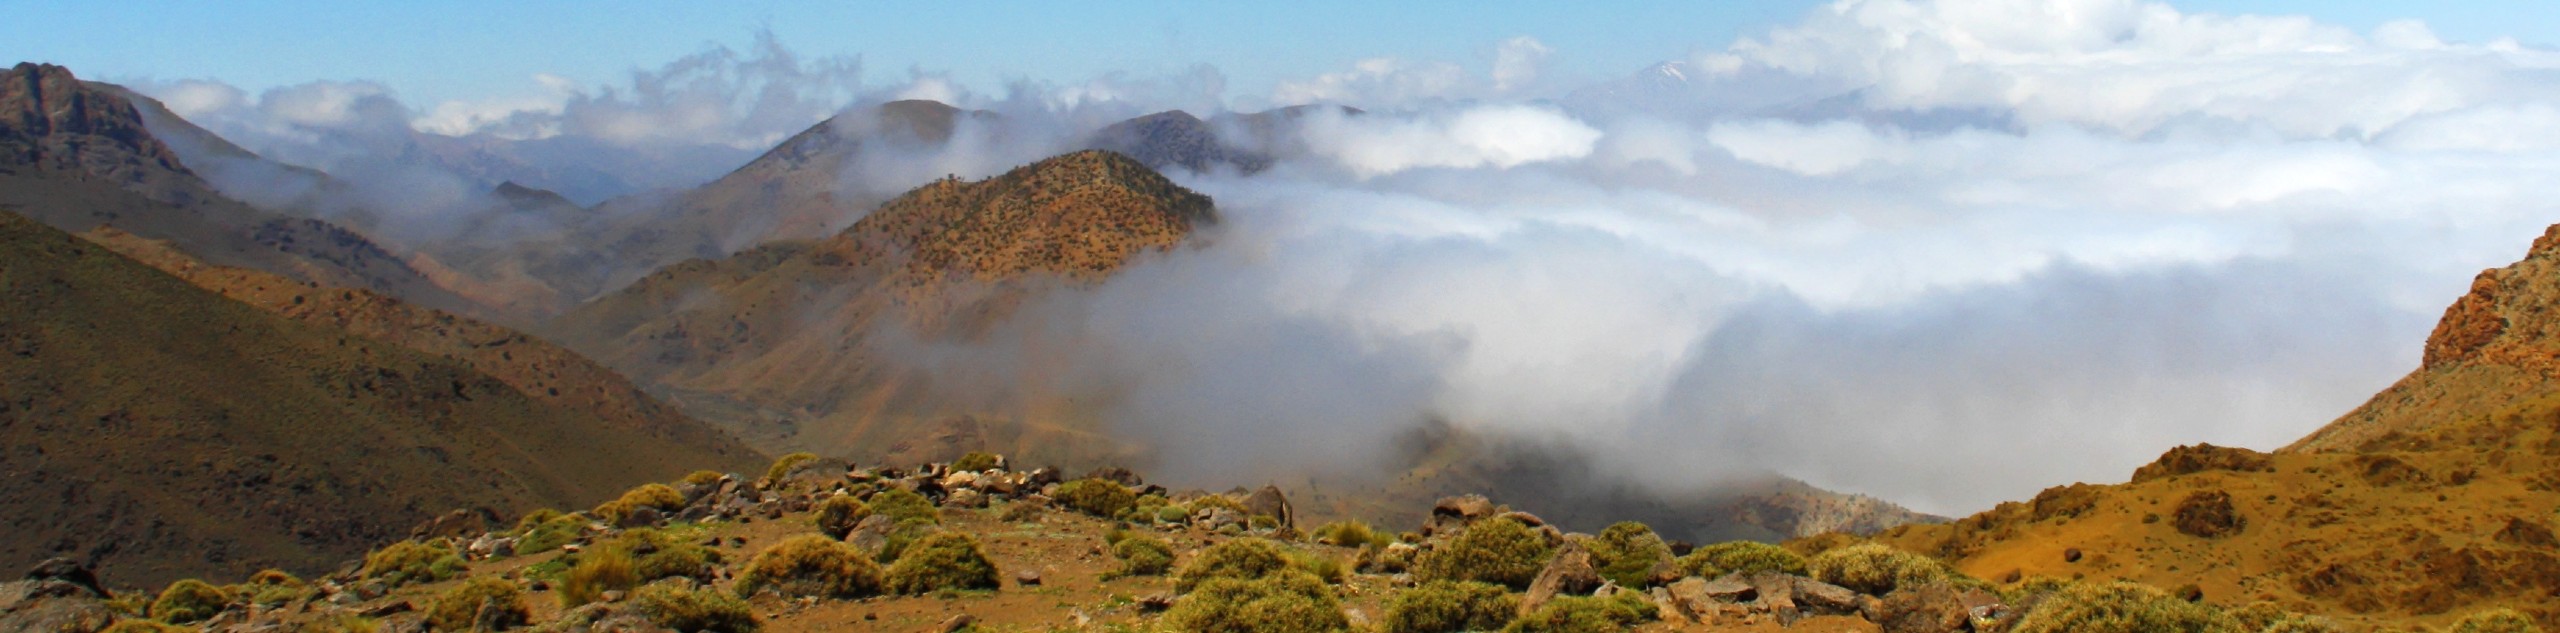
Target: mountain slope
x=2436, y=498
x=783, y=341
x=162, y=430
x=77, y=155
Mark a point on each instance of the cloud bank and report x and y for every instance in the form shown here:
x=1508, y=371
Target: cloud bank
x=1946, y=253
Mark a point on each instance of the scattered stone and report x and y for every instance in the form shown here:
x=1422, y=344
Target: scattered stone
x=1271, y=503
x=957, y=623
x=1727, y=589
x=1570, y=573
x=2071, y=555
x=1026, y=578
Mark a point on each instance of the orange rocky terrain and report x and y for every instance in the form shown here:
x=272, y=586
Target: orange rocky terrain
x=2436, y=498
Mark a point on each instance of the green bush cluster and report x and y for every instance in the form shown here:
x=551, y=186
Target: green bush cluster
x=658, y=496
x=811, y=565
x=136, y=625
x=1741, y=557
x=189, y=600
x=1244, y=558
x=632, y=559
x=460, y=607
x=275, y=587
x=1349, y=534
x=408, y=562
x=1877, y=569
x=684, y=606
x=1284, y=601
x=900, y=536
x=1586, y=614
x=700, y=478
x=1626, y=553
x=1140, y=555
x=782, y=466
x=2499, y=620
x=943, y=561
x=1098, y=497
x=1442, y=606
x=975, y=461
x=902, y=505
x=1500, y=551
x=2119, y=607
x=836, y=516
x=547, y=530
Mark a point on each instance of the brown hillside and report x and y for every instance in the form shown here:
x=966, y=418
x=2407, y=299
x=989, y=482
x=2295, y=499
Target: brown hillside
x=77, y=155
x=780, y=341
x=161, y=430
x=545, y=372
x=2434, y=499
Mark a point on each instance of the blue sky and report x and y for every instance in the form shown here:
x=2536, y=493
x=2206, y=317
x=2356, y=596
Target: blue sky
x=478, y=49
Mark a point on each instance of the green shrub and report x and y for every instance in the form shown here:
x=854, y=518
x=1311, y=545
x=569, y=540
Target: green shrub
x=1141, y=556
x=684, y=606
x=631, y=559
x=1385, y=559
x=1876, y=569
x=975, y=461
x=551, y=533
x=1626, y=553
x=595, y=573
x=2500, y=620
x=1284, y=602
x=1586, y=614
x=900, y=536
x=1213, y=501
x=783, y=465
x=837, y=516
x=700, y=478
x=903, y=505
x=1171, y=515
x=658, y=496
x=1441, y=606
x=1244, y=558
x=188, y=601
x=811, y=565
x=274, y=587
x=1349, y=534
x=2120, y=607
x=1500, y=551
x=1741, y=557
x=2300, y=624
x=944, y=561
x=460, y=607
x=412, y=562
x=1098, y=497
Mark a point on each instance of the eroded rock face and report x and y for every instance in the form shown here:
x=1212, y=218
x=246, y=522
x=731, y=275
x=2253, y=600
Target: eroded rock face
x=2209, y=514
x=57, y=596
x=1269, y=502
x=1570, y=573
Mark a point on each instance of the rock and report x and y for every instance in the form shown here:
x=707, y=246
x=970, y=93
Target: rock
x=1216, y=518
x=1728, y=589
x=1155, y=603
x=1570, y=573
x=1822, y=598
x=957, y=623
x=643, y=516
x=388, y=608
x=69, y=571
x=814, y=474
x=1525, y=518
x=1934, y=608
x=1668, y=609
x=2071, y=555
x=960, y=480
x=1271, y=503
x=455, y=524
x=965, y=499
x=611, y=595
x=1116, y=474
x=2209, y=514
x=1041, y=477
x=1466, y=507
x=1026, y=578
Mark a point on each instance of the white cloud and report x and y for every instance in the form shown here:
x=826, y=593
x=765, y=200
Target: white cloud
x=1499, y=136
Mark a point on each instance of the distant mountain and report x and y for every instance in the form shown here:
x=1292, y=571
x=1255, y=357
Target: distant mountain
x=162, y=430
x=778, y=340
x=77, y=155
x=2432, y=500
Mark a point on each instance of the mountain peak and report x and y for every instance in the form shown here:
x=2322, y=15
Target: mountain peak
x=49, y=119
x=1080, y=214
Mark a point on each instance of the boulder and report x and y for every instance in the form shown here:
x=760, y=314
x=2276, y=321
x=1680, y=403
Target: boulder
x=964, y=498
x=1042, y=476
x=1822, y=598
x=1269, y=502
x=69, y=571
x=1466, y=507
x=643, y=516
x=1570, y=573
x=1933, y=608
x=1117, y=475
x=57, y=596
x=814, y=474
